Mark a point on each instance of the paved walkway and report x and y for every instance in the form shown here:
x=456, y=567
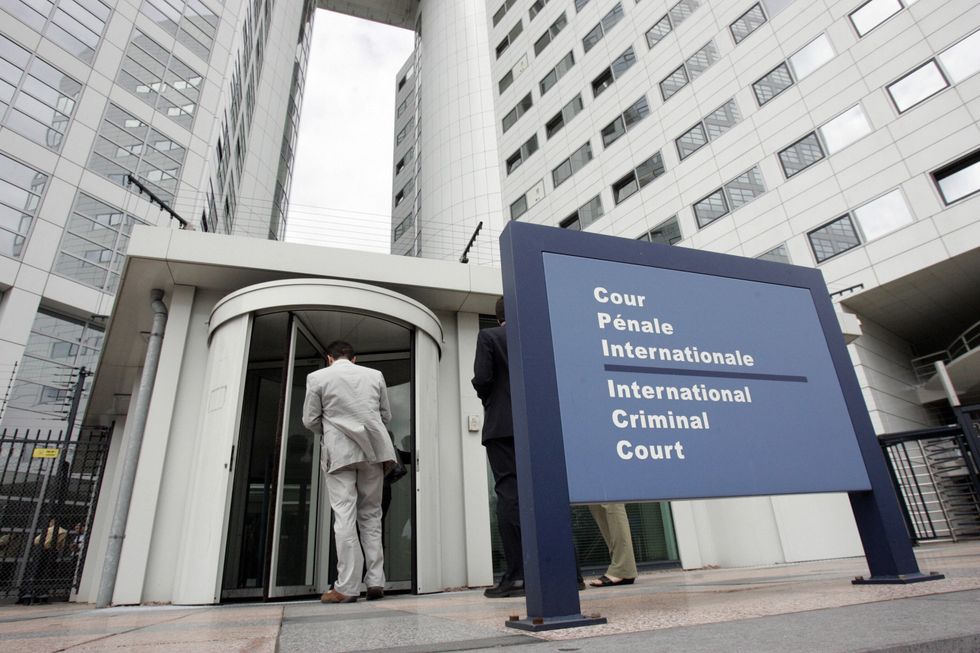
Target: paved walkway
x=808, y=607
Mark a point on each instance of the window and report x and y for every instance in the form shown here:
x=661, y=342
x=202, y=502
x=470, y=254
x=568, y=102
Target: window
x=744, y=188
x=883, y=215
x=667, y=232
x=634, y=114
x=813, y=55
x=152, y=73
x=711, y=208
x=834, y=238
x=676, y=15
x=959, y=179
x=801, y=155
x=845, y=129
x=560, y=119
x=637, y=178
x=529, y=147
x=535, y=8
x=873, y=13
x=962, y=60
x=659, y=30
x=606, y=78
x=731, y=196
x=747, y=23
x=603, y=26
x=579, y=4
x=502, y=11
x=552, y=32
x=673, y=82
x=773, y=83
x=722, y=119
x=41, y=99
x=584, y=216
x=773, y=7
x=534, y=195
x=21, y=189
x=923, y=82
x=125, y=145
x=76, y=26
x=689, y=70
x=514, y=114
x=505, y=81
x=572, y=164
x=407, y=129
x=507, y=40
x=557, y=72
x=402, y=227
x=94, y=244
x=404, y=160
x=691, y=141
x=513, y=74
x=778, y=254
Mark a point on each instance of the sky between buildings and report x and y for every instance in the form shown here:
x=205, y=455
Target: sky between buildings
x=341, y=194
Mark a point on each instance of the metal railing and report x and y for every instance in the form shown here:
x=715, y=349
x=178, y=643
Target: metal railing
x=963, y=344
x=49, y=487
x=937, y=480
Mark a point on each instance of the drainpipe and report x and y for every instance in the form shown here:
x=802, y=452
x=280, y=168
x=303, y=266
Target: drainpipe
x=141, y=409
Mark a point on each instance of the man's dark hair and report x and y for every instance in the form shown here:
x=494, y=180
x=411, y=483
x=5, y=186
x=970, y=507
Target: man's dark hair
x=499, y=310
x=340, y=349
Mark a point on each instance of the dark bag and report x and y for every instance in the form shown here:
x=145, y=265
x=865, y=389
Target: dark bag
x=398, y=470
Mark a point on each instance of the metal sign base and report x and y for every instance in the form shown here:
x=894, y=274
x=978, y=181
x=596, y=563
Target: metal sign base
x=538, y=624
x=898, y=579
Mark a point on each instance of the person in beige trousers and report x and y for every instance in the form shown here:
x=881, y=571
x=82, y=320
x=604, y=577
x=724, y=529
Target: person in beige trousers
x=614, y=526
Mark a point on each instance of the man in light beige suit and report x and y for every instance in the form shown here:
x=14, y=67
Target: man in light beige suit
x=347, y=406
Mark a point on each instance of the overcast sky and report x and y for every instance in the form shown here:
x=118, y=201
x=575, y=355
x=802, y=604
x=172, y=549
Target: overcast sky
x=341, y=193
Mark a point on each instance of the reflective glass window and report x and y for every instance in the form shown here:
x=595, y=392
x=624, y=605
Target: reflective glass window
x=873, y=13
x=801, y=155
x=963, y=59
x=845, y=129
x=883, y=215
x=747, y=23
x=834, y=238
x=959, y=179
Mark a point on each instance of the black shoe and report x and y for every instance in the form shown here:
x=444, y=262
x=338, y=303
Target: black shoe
x=375, y=593
x=505, y=589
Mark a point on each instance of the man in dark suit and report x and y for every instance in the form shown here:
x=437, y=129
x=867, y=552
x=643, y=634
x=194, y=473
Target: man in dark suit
x=491, y=378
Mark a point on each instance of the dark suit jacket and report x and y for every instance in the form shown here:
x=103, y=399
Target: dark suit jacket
x=491, y=378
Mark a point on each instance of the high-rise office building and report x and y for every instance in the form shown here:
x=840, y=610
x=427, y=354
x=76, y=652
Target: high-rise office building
x=110, y=110
x=843, y=135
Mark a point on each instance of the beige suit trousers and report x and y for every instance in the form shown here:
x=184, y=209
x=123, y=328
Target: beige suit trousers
x=355, y=498
x=615, y=528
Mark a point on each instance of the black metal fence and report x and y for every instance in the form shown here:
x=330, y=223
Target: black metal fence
x=936, y=474
x=49, y=486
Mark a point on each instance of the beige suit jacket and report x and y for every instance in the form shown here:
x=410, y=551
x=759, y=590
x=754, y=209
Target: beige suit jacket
x=347, y=406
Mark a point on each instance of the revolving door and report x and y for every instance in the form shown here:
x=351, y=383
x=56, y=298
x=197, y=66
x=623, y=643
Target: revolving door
x=279, y=539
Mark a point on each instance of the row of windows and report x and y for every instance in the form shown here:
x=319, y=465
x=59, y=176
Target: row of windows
x=801, y=64
x=36, y=99
x=74, y=25
x=556, y=73
x=552, y=31
x=192, y=22
x=688, y=71
x=56, y=348
x=602, y=28
x=94, y=244
x=711, y=127
x=676, y=15
x=951, y=66
x=21, y=188
x=870, y=221
x=124, y=144
x=156, y=76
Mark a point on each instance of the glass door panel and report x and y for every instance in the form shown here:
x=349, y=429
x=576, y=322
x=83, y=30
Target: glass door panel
x=295, y=554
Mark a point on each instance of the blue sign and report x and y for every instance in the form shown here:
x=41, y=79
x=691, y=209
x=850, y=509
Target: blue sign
x=675, y=384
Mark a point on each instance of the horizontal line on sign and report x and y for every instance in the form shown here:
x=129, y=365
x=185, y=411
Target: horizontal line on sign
x=712, y=373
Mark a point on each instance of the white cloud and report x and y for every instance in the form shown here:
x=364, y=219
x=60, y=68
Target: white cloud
x=341, y=193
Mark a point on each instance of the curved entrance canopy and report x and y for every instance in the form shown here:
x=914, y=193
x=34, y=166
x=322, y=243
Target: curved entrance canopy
x=330, y=294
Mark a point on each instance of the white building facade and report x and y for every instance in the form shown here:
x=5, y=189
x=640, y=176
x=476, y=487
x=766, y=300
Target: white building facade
x=196, y=99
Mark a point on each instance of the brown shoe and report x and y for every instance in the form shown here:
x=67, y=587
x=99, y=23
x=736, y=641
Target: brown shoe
x=333, y=596
x=375, y=593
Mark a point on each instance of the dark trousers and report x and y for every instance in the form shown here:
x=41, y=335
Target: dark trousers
x=503, y=464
